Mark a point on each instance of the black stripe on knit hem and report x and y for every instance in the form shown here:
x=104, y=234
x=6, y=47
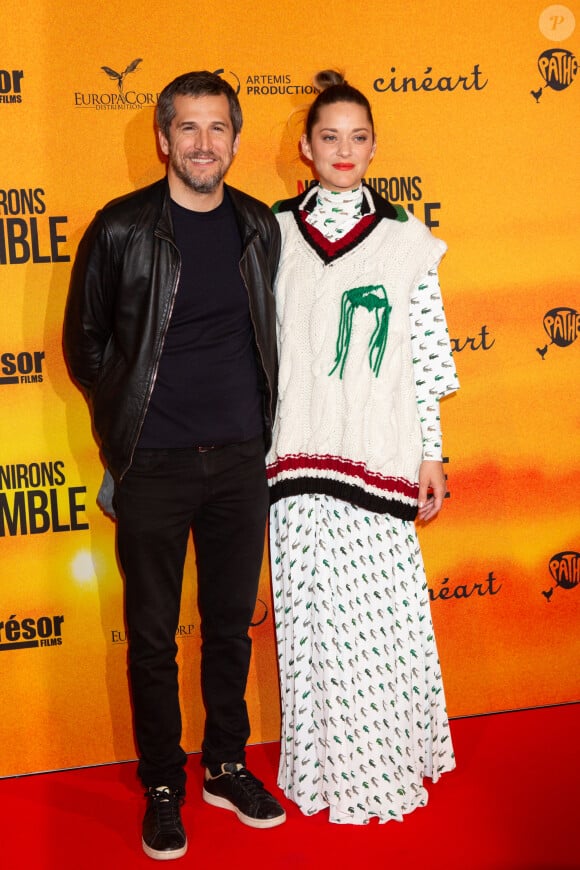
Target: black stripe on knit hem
x=345, y=492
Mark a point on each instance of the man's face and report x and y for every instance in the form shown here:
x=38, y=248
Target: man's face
x=201, y=143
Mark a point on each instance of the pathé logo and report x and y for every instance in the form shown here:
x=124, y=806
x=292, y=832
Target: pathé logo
x=558, y=68
x=565, y=570
x=562, y=326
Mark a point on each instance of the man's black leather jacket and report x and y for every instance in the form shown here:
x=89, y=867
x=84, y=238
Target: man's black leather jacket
x=121, y=296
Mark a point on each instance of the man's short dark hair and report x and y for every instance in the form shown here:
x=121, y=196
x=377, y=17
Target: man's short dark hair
x=196, y=84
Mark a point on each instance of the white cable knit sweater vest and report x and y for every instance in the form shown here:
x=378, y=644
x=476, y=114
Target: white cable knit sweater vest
x=347, y=422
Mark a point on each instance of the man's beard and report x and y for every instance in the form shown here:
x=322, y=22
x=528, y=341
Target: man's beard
x=205, y=184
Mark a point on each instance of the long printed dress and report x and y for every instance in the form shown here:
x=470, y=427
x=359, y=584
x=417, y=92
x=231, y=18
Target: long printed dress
x=363, y=706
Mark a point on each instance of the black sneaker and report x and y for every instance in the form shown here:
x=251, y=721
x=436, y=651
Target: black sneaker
x=235, y=788
x=163, y=834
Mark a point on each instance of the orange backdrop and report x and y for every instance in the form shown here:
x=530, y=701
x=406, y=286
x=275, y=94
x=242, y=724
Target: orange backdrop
x=477, y=114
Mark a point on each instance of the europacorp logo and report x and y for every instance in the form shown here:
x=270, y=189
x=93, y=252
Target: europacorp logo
x=123, y=96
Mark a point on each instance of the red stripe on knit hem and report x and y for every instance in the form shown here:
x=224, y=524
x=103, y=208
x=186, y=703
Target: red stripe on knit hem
x=338, y=465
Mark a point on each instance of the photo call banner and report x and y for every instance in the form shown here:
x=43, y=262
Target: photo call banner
x=477, y=113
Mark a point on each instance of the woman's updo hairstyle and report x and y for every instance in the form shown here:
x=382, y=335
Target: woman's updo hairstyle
x=334, y=88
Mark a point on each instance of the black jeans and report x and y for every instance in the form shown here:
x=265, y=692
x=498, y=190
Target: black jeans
x=221, y=496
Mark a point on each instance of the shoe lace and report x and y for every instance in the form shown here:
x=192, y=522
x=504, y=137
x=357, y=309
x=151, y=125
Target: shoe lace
x=248, y=783
x=166, y=804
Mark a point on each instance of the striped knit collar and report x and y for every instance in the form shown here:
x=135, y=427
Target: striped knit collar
x=358, y=219
x=374, y=209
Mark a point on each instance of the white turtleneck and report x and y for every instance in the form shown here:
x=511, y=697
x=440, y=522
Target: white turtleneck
x=337, y=212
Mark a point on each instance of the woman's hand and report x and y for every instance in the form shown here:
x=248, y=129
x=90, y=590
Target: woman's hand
x=431, y=478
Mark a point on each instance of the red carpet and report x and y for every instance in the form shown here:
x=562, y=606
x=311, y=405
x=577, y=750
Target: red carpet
x=513, y=803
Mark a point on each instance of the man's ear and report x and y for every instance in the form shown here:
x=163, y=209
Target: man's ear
x=163, y=142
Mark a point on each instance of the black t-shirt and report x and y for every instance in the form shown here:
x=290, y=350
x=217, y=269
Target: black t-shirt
x=207, y=388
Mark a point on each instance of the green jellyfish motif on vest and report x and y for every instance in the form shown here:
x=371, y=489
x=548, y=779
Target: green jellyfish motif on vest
x=372, y=298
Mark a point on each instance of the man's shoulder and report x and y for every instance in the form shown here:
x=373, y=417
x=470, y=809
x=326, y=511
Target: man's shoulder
x=130, y=204
x=253, y=211
x=246, y=202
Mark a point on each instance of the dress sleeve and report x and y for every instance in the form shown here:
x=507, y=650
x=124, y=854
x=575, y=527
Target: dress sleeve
x=435, y=373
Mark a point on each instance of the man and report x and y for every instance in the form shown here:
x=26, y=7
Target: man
x=170, y=331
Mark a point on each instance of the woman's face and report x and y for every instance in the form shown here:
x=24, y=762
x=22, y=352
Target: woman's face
x=341, y=146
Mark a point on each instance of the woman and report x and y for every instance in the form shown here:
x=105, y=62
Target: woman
x=356, y=456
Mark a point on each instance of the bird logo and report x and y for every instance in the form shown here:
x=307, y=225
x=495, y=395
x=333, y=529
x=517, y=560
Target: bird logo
x=120, y=77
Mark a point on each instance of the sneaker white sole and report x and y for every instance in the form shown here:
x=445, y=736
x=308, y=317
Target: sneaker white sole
x=225, y=804
x=163, y=856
